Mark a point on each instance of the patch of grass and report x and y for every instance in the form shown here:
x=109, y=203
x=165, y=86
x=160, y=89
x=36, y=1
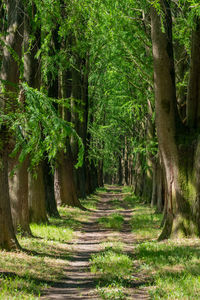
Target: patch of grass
x=116, y=204
x=114, y=221
x=111, y=265
x=114, y=270
x=127, y=189
x=56, y=232
x=101, y=190
x=18, y=288
x=145, y=222
x=90, y=202
x=174, y=267
x=130, y=200
x=114, y=291
x=114, y=245
x=46, y=256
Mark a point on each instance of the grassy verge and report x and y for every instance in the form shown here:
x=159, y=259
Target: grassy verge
x=25, y=274
x=173, y=266
x=171, y=269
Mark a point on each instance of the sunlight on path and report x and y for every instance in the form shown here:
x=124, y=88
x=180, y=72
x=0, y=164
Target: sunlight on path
x=94, y=237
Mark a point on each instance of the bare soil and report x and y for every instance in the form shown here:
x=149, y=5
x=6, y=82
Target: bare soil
x=79, y=282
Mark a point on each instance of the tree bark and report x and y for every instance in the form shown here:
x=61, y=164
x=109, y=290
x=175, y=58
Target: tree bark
x=10, y=74
x=18, y=183
x=37, y=205
x=66, y=188
x=51, y=206
x=18, y=190
x=179, y=149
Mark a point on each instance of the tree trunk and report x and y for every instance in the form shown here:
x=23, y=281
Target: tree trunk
x=8, y=239
x=37, y=204
x=120, y=175
x=51, y=206
x=180, y=150
x=66, y=187
x=10, y=75
x=18, y=190
x=18, y=183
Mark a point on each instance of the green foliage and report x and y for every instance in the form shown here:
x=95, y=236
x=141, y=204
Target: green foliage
x=39, y=129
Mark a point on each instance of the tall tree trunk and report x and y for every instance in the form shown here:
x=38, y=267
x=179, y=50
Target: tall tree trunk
x=10, y=75
x=51, y=206
x=66, y=187
x=80, y=92
x=18, y=190
x=65, y=170
x=37, y=205
x=100, y=173
x=32, y=74
x=180, y=150
x=18, y=183
x=120, y=175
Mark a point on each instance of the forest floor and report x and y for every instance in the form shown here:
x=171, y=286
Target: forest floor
x=108, y=252
x=102, y=265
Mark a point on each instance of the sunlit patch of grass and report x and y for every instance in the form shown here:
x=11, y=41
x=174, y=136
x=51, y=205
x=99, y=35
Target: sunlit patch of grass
x=111, y=265
x=127, y=189
x=101, y=190
x=90, y=202
x=116, y=204
x=130, y=200
x=72, y=217
x=114, y=270
x=20, y=288
x=114, y=245
x=52, y=232
x=46, y=256
x=114, y=221
x=114, y=291
x=174, y=267
x=145, y=222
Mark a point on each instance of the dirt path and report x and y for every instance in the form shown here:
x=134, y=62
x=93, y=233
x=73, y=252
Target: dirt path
x=80, y=283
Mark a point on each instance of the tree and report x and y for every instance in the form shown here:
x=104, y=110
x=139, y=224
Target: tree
x=10, y=75
x=178, y=141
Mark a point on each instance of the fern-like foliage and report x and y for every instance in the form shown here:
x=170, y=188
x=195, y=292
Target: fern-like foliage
x=39, y=129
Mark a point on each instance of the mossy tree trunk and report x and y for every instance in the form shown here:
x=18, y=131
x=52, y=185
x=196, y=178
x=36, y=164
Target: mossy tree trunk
x=179, y=145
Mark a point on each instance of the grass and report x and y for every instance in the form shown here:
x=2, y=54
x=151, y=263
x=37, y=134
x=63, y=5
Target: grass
x=173, y=267
x=169, y=270
x=112, y=284
x=145, y=222
x=113, y=291
x=114, y=221
x=25, y=274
